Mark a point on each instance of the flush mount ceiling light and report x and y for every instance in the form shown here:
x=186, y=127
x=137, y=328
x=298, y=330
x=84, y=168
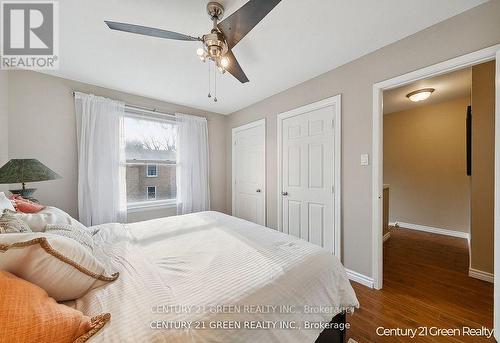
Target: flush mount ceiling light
x=420, y=95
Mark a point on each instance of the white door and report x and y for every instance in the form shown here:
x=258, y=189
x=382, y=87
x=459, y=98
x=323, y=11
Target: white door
x=307, y=201
x=249, y=172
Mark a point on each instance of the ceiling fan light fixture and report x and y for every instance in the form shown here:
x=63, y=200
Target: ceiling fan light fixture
x=224, y=62
x=202, y=54
x=420, y=95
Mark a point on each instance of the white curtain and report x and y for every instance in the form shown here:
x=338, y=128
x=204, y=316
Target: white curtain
x=101, y=160
x=193, y=192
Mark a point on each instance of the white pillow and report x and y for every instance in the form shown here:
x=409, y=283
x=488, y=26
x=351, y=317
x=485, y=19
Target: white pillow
x=5, y=203
x=82, y=236
x=59, y=265
x=49, y=215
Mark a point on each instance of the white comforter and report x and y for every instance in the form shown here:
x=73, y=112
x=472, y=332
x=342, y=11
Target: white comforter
x=182, y=277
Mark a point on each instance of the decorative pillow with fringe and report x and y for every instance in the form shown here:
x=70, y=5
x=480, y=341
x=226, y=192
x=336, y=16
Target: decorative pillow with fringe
x=28, y=314
x=64, y=268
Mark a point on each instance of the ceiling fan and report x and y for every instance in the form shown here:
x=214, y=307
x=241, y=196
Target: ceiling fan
x=225, y=34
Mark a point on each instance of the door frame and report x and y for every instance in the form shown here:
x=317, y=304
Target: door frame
x=496, y=209
x=235, y=130
x=468, y=60
x=337, y=163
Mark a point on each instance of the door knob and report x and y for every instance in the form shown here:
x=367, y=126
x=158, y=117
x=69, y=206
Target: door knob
x=284, y=194
x=258, y=191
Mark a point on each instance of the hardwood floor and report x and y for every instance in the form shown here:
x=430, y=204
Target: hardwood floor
x=426, y=283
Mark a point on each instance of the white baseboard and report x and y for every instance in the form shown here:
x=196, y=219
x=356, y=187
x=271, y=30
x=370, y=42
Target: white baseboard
x=431, y=229
x=479, y=274
x=387, y=236
x=359, y=278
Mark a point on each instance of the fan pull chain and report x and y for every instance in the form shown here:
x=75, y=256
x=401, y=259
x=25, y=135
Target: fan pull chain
x=209, y=83
x=215, y=82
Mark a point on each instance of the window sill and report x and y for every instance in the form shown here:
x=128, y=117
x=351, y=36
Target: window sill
x=151, y=205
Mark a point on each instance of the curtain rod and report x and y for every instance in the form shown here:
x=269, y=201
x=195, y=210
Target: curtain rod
x=143, y=109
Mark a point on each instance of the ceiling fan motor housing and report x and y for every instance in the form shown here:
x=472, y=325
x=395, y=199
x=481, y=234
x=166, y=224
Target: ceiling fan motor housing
x=215, y=44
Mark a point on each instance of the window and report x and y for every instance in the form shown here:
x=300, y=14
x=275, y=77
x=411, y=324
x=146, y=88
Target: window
x=150, y=149
x=151, y=193
x=152, y=170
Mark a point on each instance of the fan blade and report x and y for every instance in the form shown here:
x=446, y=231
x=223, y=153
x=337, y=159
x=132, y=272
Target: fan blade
x=238, y=24
x=149, y=31
x=234, y=68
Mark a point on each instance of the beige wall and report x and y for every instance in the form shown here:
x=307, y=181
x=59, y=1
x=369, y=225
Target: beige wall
x=42, y=125
x=470, y=31
x=483, y=149
x=4, y=121
x=425, y=165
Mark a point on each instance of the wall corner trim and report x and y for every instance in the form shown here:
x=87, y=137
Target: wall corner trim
x=359, y=278
x=479, y=274
x=436, y=230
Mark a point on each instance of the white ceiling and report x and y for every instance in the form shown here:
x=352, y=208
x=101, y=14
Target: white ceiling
x=447, y=87
x=298, y=40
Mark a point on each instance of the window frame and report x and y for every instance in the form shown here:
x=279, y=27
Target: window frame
x=148, y=205
x=156, y=169
x=147, y=193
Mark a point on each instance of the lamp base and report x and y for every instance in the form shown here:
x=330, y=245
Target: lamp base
x=25, y=193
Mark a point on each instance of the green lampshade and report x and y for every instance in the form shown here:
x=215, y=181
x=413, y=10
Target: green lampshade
x=26, y=170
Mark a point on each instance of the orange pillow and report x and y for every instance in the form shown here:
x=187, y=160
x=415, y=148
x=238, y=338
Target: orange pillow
x=27, y=314
x=26, y=206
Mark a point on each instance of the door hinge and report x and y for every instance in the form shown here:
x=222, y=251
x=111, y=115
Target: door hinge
x=333, y=189
x=333, y=123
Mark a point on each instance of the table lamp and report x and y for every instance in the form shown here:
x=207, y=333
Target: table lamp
x=25, y=170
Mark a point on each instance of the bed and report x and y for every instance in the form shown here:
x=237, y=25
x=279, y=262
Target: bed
x=210, y=277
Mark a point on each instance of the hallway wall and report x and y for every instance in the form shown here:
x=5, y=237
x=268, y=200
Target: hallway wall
x=425, y=165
